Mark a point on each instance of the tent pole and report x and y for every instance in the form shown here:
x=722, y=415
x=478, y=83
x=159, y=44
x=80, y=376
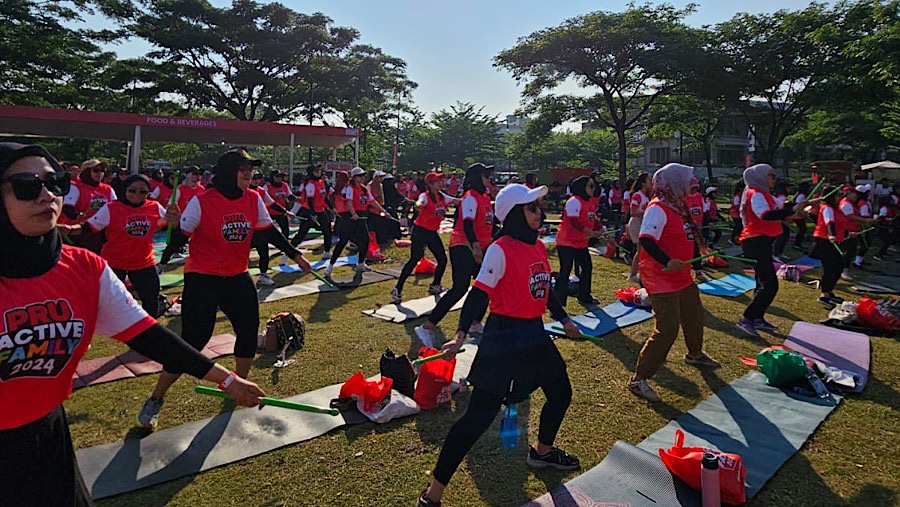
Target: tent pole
x=334, y=154
x=291, y=163
x=356, y=151
x=134, y=159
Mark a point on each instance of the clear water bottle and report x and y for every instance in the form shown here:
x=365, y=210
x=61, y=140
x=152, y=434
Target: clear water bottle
x=817, y=384
x=509, y=429
x=709, y=480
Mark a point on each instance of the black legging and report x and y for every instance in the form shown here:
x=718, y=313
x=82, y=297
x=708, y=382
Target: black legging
x=464, y=269
x=306, y=223
x=863, y=240
x=177, y=243
x=483, y=407
x=801, y=232
x=736, y=227
x=261, y=243
x=283, y=224
x=422, y=238
x=146, y=284
x=582, y=259
x=352, y=230
x=887, y=234
x=759, y=248
x=849, y=249
x=832, y=264
x=781, y=240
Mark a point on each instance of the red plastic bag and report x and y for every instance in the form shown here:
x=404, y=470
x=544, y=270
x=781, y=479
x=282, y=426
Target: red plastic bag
x=371, y=392
x=610, y=250
x=716, y=262
x=402, y=243
x=684, y=463
x=425, y=266
x=374, y=253
x=870, y=314
x=433, y=386
x=628, y=295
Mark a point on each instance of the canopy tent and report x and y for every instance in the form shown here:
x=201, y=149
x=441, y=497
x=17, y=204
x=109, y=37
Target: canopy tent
x=137, y=128
x=884, y=164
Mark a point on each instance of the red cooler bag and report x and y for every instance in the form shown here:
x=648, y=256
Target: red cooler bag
x=433, y=386
x=684, y=462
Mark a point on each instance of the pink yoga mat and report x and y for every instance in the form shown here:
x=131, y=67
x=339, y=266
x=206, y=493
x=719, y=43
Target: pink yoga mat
x=103, y=369
x=841, y=349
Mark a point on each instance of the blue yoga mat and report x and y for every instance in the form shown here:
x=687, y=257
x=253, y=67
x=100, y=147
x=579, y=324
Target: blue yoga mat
x=607, y=319
x=320, y=264
x=729, y=285
x=807, y=261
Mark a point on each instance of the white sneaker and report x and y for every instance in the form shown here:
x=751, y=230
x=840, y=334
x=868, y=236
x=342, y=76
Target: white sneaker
x=328, y=270
x=326, y=255
x=264, y=280
x=396, y=297
x=845, y=275
x=476, y=328
x=425, y=336
x=362, y=268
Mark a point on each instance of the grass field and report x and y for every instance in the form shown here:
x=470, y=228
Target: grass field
x=852, y=459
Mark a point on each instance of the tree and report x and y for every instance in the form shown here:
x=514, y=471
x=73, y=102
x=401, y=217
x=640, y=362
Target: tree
x=458, y=136
x=589, y=148
x=695, y=119
x=633, y=58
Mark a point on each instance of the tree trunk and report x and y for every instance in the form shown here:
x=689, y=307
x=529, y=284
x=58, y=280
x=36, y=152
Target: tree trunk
x=707, y=153
x=623, y=154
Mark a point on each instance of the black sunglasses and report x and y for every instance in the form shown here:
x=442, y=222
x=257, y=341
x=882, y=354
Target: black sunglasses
x=27, y=186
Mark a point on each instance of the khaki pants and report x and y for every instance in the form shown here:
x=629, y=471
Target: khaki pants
x=671, y=310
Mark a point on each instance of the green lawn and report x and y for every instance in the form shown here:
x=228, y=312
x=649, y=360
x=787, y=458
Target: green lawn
x=851, y=460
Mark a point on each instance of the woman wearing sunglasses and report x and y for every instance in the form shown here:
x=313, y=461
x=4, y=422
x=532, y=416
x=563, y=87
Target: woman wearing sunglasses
x=579, y=224
x=357, y=201
x=73, y=292
x=87, y=194
x=515, y=356
x=260, y=239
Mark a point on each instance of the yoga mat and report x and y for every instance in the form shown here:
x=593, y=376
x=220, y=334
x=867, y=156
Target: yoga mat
x=731, y=285
x=413, y=309
x=549, y=240
x=269, y=294
x=807, y=261
x=840, y=349
x=878, y=284
x=763, y=424
x=320, y=264
x=165, y=455
x=606, y=320
x=169, y=280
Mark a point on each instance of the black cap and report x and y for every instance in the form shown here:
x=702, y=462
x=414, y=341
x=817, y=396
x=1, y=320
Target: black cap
x=11, y=152
x=481, y=167
x=231, y=159
x=192, y=169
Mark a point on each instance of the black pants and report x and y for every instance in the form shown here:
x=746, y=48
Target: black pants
x=582, y=259
x=887, y=236
x=235, y=295
x=261, y=245
x=464, y=269
x=482, y=409
x=801, y=233
x=177, y=243
x=422, y=238
x=759, y=248
x=349, y=230
x=849, y=249
x=781, y=241
x=832, y=264
x=711, y=234
x=283, y=224
x=38, y=468
x=146, y=284
x=863, y=242
x=324, y=219
x=736, y=227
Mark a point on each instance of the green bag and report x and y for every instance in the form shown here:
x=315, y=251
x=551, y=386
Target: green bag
x=781, y=367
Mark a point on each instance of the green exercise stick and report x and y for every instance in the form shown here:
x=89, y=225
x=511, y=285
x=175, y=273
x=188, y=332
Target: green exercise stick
x=274, y=402
x=742, y=259
x=323, y=279
x=435, y=357
x=811, y=192
x=595, y=339
x=826, y=196
x=695, y=259
x=171, y=202
x=838, y=249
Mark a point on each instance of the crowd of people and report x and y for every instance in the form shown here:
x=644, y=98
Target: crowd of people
x=108, y=217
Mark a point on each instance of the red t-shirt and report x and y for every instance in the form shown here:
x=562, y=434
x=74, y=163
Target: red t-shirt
x=129, y=233
x=47, y=326
x=186, y=193
x=360, y=196
x=340, y=205
x=86, y=199
x=576, y=209
x=453, y=186
x=280, y=195
x=674, y=237
x=516, y=278
x=162, y=193
x=220, y=230
x=829, y=215
x=476, y=207
x=694, y=203
x=847, y=209
x=639, y=201
x=758, y=202
x=431, y=214
x=316, y=190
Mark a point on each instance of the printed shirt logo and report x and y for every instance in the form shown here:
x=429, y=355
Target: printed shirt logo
x=363, y=198
x=97, y=201
x=539, y=281
x=439, y=211
x=39, y=340
x=236, y=227
x=489, y=218
x=591, y=216
x=137, y=226
x=688, y=232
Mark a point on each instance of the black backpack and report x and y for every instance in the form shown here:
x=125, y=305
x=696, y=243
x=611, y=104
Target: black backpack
x=285, y=333
x=400, y=370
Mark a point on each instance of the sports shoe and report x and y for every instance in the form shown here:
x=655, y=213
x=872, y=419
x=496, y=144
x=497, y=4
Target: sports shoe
x=264, y=280
x=555, y=458
x=836, y=300
x=635, y=278
x=642, y=389
x=148, y=417
x=395, y=296
x=702, y=277
x=476, y=328
x=747, y=326
x=589, y=302
x=845, y=275
x=764, y=324
x=426, y=502
x=426, y=336
x=328, y=270
x=826, y=302
x=878, y=258
x=362, y=268
x=704, y=360
x=857, y=264
x=435, y=289
x=326, y=255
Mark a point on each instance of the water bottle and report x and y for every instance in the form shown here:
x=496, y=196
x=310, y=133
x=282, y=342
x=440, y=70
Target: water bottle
x=817, y=384
x=709, y=480
x=509, y=429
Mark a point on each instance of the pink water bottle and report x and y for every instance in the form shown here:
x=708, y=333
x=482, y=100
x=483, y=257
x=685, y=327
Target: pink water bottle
x=709, y=480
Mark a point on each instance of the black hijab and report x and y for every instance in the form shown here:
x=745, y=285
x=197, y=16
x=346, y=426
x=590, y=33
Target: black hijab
x=226, y=172
x=25, y=256
x=578, y=186
x=473, y=177
x=516, y=226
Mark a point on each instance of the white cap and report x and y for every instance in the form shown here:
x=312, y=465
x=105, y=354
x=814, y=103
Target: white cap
x=356, y=171
x=710, y=189
x=378, y=174
x=863, y=188
x=514, y=194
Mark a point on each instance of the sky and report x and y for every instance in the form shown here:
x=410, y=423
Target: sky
x=449, y=45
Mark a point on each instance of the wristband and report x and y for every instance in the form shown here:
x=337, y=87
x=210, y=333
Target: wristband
x=225, y=384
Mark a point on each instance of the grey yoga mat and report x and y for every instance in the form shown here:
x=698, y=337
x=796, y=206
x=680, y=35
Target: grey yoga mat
x=412, y=309
x=165, y=455
x=269, y=294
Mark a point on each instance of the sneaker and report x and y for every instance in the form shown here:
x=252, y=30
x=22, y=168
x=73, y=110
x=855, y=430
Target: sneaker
x=476, y=328
x=362, y=268
x=326, y=255
x=857, y=264
x=846, y=276
x=435, y=289
x=328, y=270
x=642, y=389
x=589, y=302
x=264, y=280
x=395, y=296
x=704, y=361
x=148, y=418
x=426, y=336
x=764, y=324
x=702, y=277
x=878, y=258
x=826, y=302
x=555, y=458
x=836, y=300
x=747, y=326
x=426, y=502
